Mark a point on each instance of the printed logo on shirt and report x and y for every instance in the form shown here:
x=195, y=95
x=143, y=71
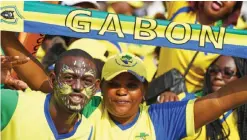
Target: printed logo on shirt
x=142, y=136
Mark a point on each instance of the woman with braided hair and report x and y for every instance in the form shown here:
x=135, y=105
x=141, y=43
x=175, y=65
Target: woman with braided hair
x=233, y=124
x=224, y=70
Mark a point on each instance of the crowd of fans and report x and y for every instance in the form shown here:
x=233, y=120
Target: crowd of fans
x=205, y=76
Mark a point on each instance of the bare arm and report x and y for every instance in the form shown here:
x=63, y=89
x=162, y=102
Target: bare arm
x=32, y=72
x=211, y=107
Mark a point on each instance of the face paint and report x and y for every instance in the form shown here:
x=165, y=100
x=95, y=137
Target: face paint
x=89, y=91
x=63, y=86
x=90, y=73
x=62, y=96
x=65, y=69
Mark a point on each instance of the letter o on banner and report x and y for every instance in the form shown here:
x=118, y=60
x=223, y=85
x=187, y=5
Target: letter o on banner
x=170, y=31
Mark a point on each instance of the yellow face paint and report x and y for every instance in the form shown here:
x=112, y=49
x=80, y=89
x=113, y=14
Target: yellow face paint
x=90, y=73
x=73, y=76
x=68, y=71
x=63, y=89
x=89, y=91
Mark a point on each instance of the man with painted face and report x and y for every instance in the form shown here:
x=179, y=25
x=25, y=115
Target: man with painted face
x=56, y=115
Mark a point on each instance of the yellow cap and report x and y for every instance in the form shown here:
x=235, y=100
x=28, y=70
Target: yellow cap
x=124, y=62
x=93, y=47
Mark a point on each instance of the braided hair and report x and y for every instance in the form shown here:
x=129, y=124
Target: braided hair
x=215, y=130
x=242, y=110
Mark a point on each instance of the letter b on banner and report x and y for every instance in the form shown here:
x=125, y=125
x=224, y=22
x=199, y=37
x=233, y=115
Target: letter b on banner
x=145, y=31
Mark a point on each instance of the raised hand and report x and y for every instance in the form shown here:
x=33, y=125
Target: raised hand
x=167, y=97
x=7, y=63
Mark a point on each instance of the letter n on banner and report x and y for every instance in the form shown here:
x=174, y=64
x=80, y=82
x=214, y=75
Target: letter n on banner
x=207, y=31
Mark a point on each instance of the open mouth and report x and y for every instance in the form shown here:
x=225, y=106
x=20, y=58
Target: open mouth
x=216, y=5
x=76, y=98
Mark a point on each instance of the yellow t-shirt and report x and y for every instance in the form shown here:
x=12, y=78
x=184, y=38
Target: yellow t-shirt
x=155, y=122
x=180, y=59
x=228, y=120
x=27, y=117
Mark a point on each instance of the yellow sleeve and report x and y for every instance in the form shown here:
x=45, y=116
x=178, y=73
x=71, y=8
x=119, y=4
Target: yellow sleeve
x=181, y=96
x=190, y=124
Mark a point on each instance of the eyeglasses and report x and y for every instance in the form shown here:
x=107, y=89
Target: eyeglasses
x=226, y=72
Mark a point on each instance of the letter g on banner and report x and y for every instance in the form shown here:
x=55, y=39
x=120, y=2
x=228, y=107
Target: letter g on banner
x=75, y=22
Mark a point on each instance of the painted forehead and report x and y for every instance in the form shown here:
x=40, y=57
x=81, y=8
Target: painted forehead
x=78, y=66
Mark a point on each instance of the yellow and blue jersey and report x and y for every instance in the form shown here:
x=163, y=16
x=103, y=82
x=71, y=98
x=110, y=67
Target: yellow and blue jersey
x=171, y=121
x=228, y=121
x=27, y=117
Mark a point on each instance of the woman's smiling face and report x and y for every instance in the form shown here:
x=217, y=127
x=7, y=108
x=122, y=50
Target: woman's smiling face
x=123, y=95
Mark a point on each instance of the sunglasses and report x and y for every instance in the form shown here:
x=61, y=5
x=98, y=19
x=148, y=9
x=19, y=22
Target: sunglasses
x=226, y=72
